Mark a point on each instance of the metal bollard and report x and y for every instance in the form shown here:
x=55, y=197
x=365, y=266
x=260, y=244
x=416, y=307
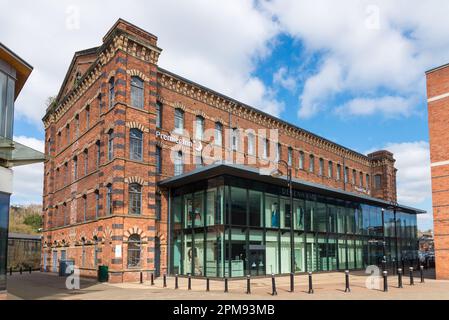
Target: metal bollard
x=292, y=282
x=273, y=285
x=385, y=273
x=421, y=270
x=20, y=270
x=207, y=285
x=152, y=279
x=399, y=278
x=248, y=284
x=176, y=282
x=347, y=289
x=412, y=281
x=30, y=270
x=226, y=285
x=189, y=283
x=165, y=280
x=310, y=283
x=141, y=277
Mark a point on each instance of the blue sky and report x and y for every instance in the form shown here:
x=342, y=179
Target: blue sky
x=352, y=71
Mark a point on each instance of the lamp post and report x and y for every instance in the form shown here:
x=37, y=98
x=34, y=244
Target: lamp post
x=277, y=173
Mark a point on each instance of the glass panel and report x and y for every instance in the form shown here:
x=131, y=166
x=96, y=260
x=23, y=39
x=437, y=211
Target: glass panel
x=4, y=218
x=238, y=206
x=256, y=253
x=298, y=206
x=299, y=253
x=332, y=254
x=342, y=254
x=188, y=255
x=214, y=254
x=322, y=253
x=285, y=253
x=351, y=254
x=359, y=255
x=271, y=211
x=177, y=250
x=3, y=113
x=199, y=254
x=320, y=217
x=255, y=209
x=211, y=199
x=341, y=220
x=285, y=213
x=272, y=252
x=238, y=253
x=188, y=211
x=311, y=253
x=198, y=209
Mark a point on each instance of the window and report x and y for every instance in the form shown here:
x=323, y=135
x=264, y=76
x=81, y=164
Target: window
x=110, y=145
x=158, y=160
x=321, y=173
x=199, y=128
x=111, y=92
x=338, y=172
x=368, y=185
x=361, y=179
x=278, y=152
x=135, y=198
x=109, y=199
x=198, y=160
x=235, y=139
x=97, y=204
x=354, y=174
x=66, y=173
x=218, y=133
x=97, y=144
x=135, y=144
x=251, y=144
x=75, y=168
x=84, y=207
x=100, y=104
x=86, y=161
x=65, y=213
x=77, y=125
x=158, y=207
x=87, y=118
x=67, y=133
x=137, y=92
x=134, y=251
x=301, y=160
x=7, y=85
x=290, y=156
x=179, y=168
x=330, y=169
x=158, y=114
x=312, y=163
x=179, y=121
x=377, y=181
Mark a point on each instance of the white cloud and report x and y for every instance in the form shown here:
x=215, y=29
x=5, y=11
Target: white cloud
x=215, y=43
x=360, y=58
x=387, y=105
x=28, y=180
x=282, y=78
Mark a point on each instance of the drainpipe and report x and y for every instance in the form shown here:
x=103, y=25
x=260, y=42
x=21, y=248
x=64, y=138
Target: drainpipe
x=169, y=233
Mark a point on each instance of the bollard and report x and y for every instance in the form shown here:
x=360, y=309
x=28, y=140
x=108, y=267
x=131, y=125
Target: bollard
x=310, y=283
x=20, y=270
x=152, y=279
x=30, y=270
x=207, y=285
x=412, y=282
x=385, y=273
x=10, y=271
x=189, y=283
x=347, y=289
x=421, y=270
x=141, y=277
x=176, y=282
x=273, y=285
x=165, y=280
x=394, y=267
x=226, y=285
x=292, y=282
x=248, y=284
x=399, y=278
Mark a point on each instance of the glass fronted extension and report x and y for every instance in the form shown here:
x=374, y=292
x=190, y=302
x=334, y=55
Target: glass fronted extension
x=233, y=227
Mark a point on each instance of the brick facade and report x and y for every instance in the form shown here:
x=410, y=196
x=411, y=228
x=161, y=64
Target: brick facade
x=438, y=103
x=82, y=119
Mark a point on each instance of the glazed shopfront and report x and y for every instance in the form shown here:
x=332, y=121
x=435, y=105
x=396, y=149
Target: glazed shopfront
x=230, y=221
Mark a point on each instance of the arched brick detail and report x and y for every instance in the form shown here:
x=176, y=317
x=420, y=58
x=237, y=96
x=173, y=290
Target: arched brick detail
x=136, y=125
x=179, y=105
x=138, y=73
x=111, y=74
x=134, y=230
x=135, y=179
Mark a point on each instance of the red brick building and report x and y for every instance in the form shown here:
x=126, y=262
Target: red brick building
x=438, y=103
x=112, y=135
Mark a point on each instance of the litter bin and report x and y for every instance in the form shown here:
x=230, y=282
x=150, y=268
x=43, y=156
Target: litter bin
x=66, y=267
x=103, y=274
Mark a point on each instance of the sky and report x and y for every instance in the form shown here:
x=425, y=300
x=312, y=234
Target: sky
x=352, y=71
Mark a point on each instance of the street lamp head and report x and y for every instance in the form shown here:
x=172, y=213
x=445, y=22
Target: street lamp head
x=276, y=173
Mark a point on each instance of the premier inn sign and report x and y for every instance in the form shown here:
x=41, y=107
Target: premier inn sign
x=181, y=141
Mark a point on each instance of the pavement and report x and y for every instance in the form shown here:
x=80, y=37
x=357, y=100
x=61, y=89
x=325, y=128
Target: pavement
x=327, y=286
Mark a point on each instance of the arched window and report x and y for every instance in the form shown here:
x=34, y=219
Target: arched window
x=87, y=117
x=110, y=145
x=86, y=161
x=251, y=144
x=321, y=171
x=135, y=144
x=111, y=92
x=109, y=199
x=75, y=168
x=312, y=163
x=137, y=92
x=199, y=128
x=97, y=146
x=179, y=168
x=179, y=120
x=135, y=198
x=290, y=156
x=134, y=248
x=301, y=160
x=97, y=203
x=158, y=160
x=158, y=114
x=330, y=169
x=218, y=133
